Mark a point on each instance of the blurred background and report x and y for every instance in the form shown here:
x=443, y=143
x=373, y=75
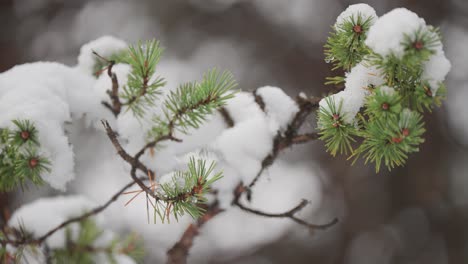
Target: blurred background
x=416, y=214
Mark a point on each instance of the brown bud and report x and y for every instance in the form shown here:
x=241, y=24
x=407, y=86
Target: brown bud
x=336, y=117
x=385, y=106
x=33, y=162
x=336, y=124
x=429, y=92
x=25, y=135
x=397, y=140
x=357, y=29
x=405, y=132
x=418, y=45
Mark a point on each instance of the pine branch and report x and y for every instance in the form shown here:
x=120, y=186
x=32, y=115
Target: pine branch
x=179, y=252
x=172, y=197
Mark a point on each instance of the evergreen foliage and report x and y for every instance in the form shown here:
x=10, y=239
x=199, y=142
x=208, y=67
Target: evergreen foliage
x=190, y=105
x=186, y=191
x=345, y=46
x=20, y=160
x=390, y=125
x=141, y=91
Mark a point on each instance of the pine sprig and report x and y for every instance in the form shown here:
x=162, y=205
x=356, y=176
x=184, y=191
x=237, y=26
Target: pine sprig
x=187, y=190
x=337, y=134
x=190, y=105
x=388, y=141
x=345, y=46
x=142, y=87
x=20, y=160
x=383, y=103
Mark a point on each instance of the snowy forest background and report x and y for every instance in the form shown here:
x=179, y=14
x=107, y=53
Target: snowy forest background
x=414, y=214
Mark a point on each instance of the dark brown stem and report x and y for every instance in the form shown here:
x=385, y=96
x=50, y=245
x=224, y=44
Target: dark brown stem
x=135, y=163
x=288, y=214
x=179, y=252
x=226, y=116
x=116, y=106
x=290, y=136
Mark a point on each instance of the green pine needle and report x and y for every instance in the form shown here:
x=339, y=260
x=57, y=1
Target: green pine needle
x=142, y=89
x=191, y=104
x=337, y=134
x=345, y=47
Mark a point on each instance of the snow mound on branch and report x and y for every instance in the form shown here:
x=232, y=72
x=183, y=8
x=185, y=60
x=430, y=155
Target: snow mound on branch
x=44, y=214
x=385, y=37
x=436, y=69
x=104, y=46
x=50, y=95
x=353, y=11
x=358, y=81
x=250, y=139
x=279, y=107
x=361, y=77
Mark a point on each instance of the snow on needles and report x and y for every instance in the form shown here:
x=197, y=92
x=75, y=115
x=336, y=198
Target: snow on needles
x=49, y=94
x=357, y=85
x=436, y=69
x=365, y=10
x=386, y=36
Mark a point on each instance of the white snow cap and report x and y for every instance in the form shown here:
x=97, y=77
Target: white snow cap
x=365, y=10
x=279, y=107
x=49, y=94
x=104, y=46
x=436, y=69
x=356, y=89
x=387, y=90
x=361, y=77
x=387, y=34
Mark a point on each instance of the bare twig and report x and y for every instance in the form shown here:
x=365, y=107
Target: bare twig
x=288, y=214
x=116, y=106
x=135, y=163
x=290, y=136
x=226, y=116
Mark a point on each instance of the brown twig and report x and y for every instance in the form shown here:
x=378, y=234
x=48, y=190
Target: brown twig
x=116, y=106
x=240, y=189
x=227, y=117
x=290, y=136
x=134, y=162
x=179, y=252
